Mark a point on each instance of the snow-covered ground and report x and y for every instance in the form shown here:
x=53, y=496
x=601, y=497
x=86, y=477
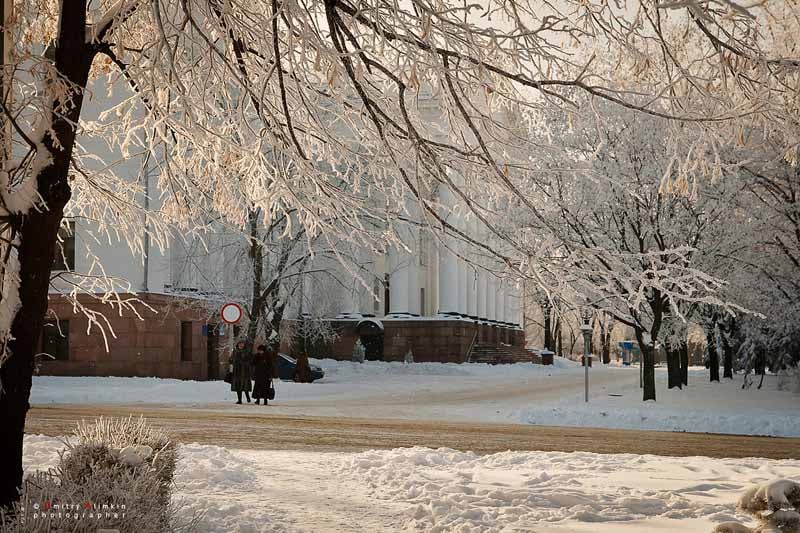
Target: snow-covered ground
x=521, y=393
x=420, y=489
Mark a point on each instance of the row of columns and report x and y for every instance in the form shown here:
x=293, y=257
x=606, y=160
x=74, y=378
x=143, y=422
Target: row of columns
x=465, y=291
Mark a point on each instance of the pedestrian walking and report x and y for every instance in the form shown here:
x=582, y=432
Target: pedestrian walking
x=264, y=370
x=241, y=376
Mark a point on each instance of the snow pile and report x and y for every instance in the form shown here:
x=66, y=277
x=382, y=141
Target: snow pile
x=217, y=485
x=456, y=491
x=702, y=406
x=348, y=370
x=446, y=490
x=661, y=418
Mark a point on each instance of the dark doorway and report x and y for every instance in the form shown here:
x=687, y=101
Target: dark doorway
x=371, y=334
x=212, y=351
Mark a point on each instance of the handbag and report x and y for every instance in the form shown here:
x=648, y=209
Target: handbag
x=229, y=374
x=271, y=391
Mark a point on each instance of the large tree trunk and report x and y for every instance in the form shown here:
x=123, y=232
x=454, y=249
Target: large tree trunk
x=727, y=358
x=605, y=334
x=648, y=368
x=673, y=367
x=38, y=233
x=256, y=254
x=684, y=354
x=713, y=355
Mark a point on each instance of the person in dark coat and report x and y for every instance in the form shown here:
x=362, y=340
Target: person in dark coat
x=263, y=372
x=241, y=380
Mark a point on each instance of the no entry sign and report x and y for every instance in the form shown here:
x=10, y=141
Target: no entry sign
x=231, y=313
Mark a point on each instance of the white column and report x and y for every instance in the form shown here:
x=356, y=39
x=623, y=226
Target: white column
x=462, y=284
x=448, y=265
x=513, y=306
x=472, y=292
x=481, y=294
x=349, y=307
x=404, y=277
x=399, y=286
x=498, y=300
x=507, y=314
x=491, y=290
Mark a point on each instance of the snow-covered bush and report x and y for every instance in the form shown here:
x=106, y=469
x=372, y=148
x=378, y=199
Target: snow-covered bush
x=789, y=380
x=113, y=474
x=776, y=505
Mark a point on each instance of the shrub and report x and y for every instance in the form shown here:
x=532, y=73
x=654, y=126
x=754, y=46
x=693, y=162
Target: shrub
x=120, y=468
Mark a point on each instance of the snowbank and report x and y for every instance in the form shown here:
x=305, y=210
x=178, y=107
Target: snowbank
x=702, y=406
x=445, y=490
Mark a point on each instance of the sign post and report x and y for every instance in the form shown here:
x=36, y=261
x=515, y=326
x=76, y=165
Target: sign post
x=231, y=313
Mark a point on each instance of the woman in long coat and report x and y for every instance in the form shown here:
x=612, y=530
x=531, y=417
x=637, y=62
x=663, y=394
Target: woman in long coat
x=241, y=378
x=263, y=365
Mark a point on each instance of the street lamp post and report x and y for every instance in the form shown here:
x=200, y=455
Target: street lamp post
x=547, y=337
x=586, y=328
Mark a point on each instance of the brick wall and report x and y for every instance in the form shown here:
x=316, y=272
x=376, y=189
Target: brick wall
x=445, y=341
x=148, y=347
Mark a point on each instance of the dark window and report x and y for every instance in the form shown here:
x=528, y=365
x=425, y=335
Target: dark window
x=186, y=341
x=55, y=339
x=422, y=301
x=64, y=255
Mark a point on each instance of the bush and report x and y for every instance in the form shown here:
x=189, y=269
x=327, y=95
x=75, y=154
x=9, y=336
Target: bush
x=113, y=474
x=776, y=506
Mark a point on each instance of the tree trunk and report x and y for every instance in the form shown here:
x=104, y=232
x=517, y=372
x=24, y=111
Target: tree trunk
x=713, y=356
x=648, y=373
x=673, y=368
x=761, y=365
x=38, y=234
x=684, y=355
x=256, y=254
x=727, y=359
x=648, y=368
x=608, y=328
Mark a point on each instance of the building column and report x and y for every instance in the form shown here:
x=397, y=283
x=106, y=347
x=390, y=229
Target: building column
x=349, y=307
x=462, y=284
x=499, y=308
x=448, y=265
x=482, y=285
x=402, y=283
x=472, y=292
x=491, y=290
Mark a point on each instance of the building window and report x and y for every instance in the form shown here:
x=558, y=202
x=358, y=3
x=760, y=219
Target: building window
x=186, y=341
x=55, y=339
x=64, y=255
x=422, y=301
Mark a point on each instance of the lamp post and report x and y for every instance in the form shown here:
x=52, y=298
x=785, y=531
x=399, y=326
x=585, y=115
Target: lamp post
x=546, y=310
x=586, y=328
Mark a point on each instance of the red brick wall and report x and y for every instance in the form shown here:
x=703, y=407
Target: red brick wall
x=148, y=347
x=445, y=341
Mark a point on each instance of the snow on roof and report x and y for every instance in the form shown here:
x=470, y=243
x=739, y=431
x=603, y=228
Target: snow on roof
x=371, y=321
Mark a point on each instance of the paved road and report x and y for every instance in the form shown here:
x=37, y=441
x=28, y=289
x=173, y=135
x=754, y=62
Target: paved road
x=259, y=429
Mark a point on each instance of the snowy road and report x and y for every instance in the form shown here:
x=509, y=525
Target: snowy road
x=254, y=427
x=505, y=394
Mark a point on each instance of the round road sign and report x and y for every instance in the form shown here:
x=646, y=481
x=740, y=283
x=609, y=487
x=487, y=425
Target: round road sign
x=231, y=313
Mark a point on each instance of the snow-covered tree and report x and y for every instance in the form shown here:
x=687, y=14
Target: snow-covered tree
x=630, y=235
x=391, y=98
